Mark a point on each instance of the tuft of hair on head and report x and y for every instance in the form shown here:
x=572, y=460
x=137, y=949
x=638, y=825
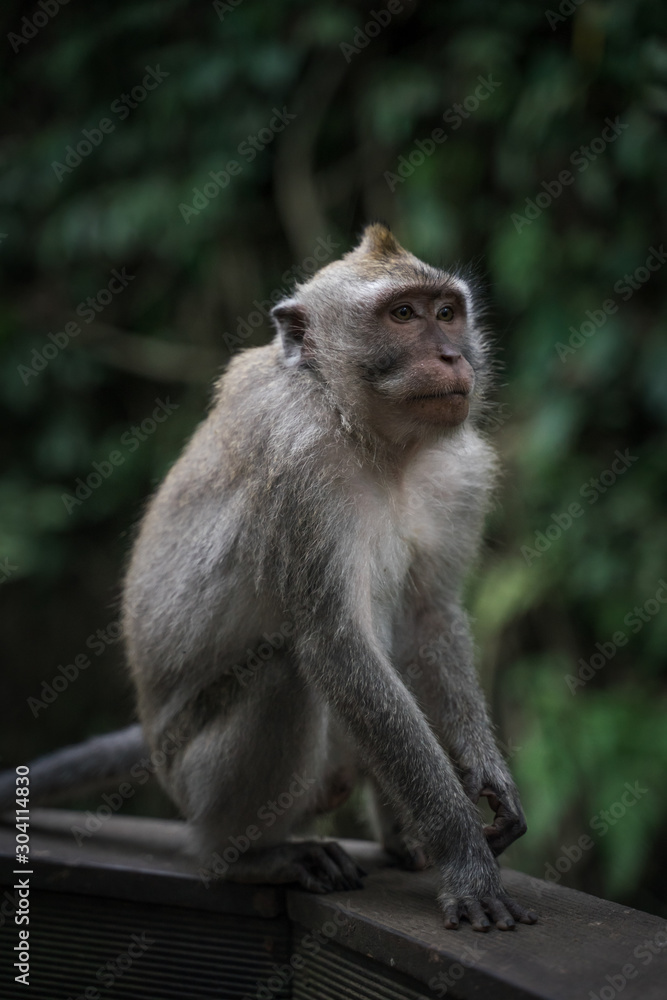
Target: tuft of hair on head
x=378, y=241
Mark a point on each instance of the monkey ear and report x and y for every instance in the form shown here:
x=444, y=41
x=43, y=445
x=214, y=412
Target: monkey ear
x=291, y=321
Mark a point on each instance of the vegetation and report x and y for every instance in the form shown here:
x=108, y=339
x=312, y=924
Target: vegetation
x=168, y=166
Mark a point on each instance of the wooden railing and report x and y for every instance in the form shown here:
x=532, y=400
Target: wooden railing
x=121, y=911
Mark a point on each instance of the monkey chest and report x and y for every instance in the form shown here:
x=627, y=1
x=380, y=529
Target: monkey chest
x=402, y=534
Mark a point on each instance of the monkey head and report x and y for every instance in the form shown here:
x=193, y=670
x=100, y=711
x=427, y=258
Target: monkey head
x=394, y=342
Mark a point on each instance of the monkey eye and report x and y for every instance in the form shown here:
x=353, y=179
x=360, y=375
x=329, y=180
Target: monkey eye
x=403, y=313
x=446, y=313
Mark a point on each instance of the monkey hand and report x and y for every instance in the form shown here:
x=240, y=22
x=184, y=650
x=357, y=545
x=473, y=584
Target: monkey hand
x=502, y=795
x=478, y=896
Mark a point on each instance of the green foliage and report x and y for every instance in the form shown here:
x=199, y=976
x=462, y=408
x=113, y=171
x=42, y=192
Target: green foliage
x=566, y=409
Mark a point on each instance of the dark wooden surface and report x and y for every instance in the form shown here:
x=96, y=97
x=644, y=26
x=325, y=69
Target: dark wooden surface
x=581, y=945
x=129, y=858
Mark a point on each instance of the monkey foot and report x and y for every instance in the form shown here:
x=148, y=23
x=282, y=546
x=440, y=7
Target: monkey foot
x=503, y=911
x=407, y=854
x=318, y=866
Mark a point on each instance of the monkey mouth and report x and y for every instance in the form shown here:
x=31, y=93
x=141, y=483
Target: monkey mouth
x=448, y=394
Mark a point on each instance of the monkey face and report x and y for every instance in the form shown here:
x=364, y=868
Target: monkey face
x=396, y=342
x=421, y=369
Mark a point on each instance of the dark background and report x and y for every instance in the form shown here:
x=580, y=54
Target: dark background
x=541, y=602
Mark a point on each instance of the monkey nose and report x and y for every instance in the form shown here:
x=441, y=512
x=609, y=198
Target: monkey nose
x=449, y=353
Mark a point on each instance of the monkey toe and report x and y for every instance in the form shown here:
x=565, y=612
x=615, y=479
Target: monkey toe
x=306, y=880
x=350, y=870
x=326, y=867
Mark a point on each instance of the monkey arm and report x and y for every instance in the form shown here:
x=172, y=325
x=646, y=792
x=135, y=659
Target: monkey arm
x=409, y=763
x=445, y=683
x=401, y=751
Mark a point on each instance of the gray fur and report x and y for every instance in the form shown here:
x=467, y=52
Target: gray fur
x=320, y=502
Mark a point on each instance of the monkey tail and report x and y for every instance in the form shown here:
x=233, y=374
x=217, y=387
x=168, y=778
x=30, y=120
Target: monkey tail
x=76, y=769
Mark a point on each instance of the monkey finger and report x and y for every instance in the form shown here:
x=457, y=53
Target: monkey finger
x=500, y=832
x=476, y=915
x=499, y=844
x=504, y=831
x=493, y=799
x=519, y=912
x=499, y=913
x=499, y=825
x=450, y=908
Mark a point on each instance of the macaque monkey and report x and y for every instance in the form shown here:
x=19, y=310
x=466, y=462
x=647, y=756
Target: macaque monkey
x=312, y=538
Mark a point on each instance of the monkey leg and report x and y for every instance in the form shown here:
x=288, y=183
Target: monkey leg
x=393, y=833
x=254, y=769
x=341, y=771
